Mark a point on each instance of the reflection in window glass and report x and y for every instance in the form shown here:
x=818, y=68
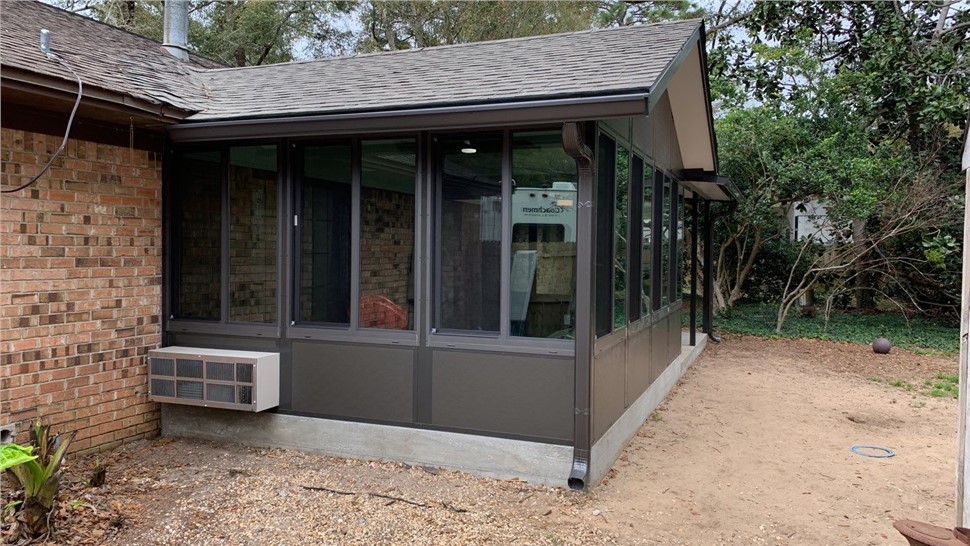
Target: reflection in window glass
x=605, y=187
x=665, y=248
x=252, y=233
x=470, y=232
x=635, y=247
x=325, y=212
x=198, y=205
x=543, y=285
x=678, y=283
x=646, y=255
x=387, y=234
x=620, y=234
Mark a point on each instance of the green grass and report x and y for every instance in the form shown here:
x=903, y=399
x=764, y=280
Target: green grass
x=945, y=385
x=941, y=386
x=920, y=335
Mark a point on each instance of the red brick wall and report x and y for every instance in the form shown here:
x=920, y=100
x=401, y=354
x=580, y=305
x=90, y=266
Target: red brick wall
x=80, y=288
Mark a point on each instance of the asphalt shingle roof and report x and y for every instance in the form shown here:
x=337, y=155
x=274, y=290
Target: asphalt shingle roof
x=589, y=63
x=103, y=56
x=596, y=62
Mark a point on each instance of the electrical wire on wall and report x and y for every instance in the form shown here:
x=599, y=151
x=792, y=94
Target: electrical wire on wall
x=45, y=43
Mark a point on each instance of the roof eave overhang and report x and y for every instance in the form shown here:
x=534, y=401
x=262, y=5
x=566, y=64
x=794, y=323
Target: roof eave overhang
x=697, y=39
x=710, y=185
x=519, y=113
x=56, y=88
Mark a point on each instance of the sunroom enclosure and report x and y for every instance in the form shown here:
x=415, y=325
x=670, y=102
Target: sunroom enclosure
x=479, y=266
x=430, y=279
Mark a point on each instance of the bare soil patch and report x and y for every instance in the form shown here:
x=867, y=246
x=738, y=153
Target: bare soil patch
x=752, y=446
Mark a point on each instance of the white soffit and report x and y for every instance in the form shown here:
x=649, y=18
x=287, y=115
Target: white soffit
x=688, y=104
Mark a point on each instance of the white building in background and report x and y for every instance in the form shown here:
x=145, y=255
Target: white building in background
x=808, y=219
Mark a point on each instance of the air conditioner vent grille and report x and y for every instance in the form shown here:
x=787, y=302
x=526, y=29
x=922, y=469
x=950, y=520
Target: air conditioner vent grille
x=163, y=366
x=219, y=371
x=244, y=373
x=190, y=390
x=217, y=392
x=245, y=394
x=163, y=387
x=189, y=368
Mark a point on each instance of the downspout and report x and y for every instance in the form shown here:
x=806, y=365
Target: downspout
x=574, y=145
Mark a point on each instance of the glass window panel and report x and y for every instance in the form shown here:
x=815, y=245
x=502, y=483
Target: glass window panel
x=635, y=246
x=469, y=233
x=605, y=187
x=252, y=233
x=646, y=254
x=543, y=247
x=679, y=249
x=665, y=242
x=620, y=234
x=325, y=213
x=198, y=205
x=387, y=234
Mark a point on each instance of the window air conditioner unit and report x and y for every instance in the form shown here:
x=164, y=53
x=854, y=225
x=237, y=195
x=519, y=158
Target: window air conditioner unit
x=214, y=378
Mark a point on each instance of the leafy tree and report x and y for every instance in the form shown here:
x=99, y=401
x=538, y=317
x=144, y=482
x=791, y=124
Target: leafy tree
x=251, y=32
x=403, y=25
x=236, y=32
x=142, y=17
x=619, y=13
x=869, y=98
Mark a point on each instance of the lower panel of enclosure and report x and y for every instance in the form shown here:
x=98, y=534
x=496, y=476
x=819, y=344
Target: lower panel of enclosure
x=479, y=392
x=503, y=393
x=354, y=381
x=609, y=378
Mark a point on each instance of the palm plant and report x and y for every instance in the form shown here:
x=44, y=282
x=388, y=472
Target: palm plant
x=38, y=469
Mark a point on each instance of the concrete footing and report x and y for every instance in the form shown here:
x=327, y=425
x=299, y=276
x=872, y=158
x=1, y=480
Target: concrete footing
x=481, y=455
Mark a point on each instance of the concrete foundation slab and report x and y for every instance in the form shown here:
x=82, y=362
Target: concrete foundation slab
x=481, y=455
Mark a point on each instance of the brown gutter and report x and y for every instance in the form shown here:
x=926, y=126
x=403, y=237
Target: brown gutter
x=38, y=84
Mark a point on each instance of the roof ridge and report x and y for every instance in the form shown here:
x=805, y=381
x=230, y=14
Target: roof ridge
x=416, y=50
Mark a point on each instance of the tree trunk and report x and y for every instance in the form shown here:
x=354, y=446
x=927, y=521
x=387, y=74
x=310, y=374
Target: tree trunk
x=35, y=518
x=863, y=295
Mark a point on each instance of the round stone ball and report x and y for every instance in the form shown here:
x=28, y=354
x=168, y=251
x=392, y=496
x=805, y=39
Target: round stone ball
x=881, y=346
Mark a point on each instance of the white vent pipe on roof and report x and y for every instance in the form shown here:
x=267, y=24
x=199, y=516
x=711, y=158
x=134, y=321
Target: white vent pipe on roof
x=175, y=37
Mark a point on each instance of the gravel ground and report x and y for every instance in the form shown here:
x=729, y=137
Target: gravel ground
x=178, y=492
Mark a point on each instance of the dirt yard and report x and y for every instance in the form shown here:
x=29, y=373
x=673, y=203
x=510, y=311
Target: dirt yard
x=752, y=447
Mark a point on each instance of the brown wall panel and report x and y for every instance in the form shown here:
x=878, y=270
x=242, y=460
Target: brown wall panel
x=353, y=381
x=659, y=354
x=673, y=334
x=609, y=386
x=503, y=394
x=638, y=369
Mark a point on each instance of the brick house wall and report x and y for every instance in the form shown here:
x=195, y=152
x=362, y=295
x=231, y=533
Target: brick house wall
x=80, y=288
